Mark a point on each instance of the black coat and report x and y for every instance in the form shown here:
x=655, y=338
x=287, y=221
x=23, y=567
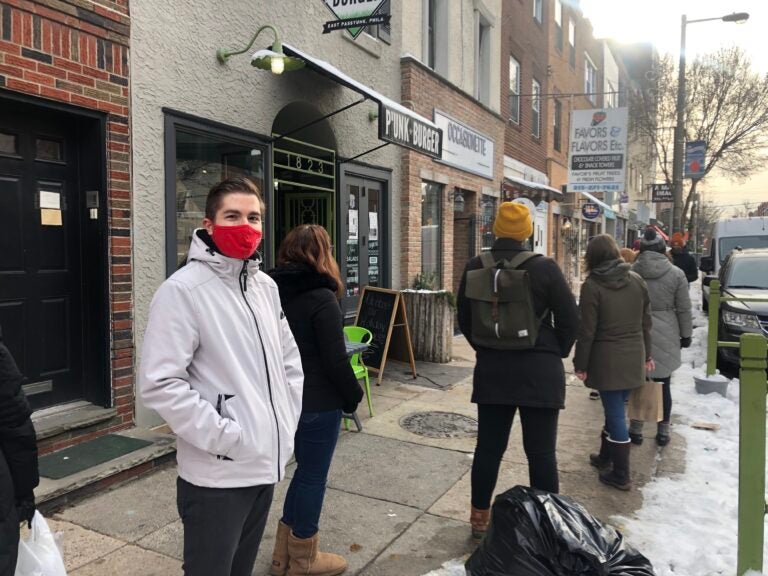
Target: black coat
x=314, y=315
x=18, y=443
x=533, y=377
x=686, y=262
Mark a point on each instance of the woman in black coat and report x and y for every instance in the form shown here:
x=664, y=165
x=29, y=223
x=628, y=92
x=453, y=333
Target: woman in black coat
x=531, y=381
x=309, y=282
x=18, y=460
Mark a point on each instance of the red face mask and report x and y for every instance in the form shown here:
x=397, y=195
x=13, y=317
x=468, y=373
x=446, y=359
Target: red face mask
x=236, y=241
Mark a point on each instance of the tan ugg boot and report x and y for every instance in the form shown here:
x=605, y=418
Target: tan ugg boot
x=280, y=553
x=305, y=558
x=479, y=520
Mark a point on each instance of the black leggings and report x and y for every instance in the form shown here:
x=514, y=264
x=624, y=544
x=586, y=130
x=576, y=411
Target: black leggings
x=539, y=443
x=666, y=393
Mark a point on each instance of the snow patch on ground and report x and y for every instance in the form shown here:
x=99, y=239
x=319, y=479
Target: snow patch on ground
x=688, y=523
x=451, y=568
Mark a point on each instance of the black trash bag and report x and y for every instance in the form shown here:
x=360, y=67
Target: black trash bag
x=535, y=533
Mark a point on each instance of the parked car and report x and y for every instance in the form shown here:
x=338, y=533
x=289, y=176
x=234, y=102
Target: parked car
x=728, y=234
x=744, y=274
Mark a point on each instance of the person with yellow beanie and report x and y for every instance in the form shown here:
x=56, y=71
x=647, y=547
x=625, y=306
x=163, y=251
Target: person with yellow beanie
x=513, y=221
x=530, y=380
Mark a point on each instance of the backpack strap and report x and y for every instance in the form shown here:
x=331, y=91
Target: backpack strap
x=521, y=259
x=486, y=259
x=518, y=261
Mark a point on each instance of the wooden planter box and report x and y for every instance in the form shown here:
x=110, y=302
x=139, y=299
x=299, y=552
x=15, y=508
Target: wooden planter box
x=430, y=319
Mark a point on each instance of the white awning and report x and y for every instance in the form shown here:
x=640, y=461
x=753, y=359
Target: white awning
x=536, y=185
x=600, y=203
x=419, y=133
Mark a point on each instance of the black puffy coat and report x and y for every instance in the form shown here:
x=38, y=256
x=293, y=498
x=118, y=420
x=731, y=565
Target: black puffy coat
x=17, y=434
x=533, y=377
x=18, y=456
x=314, y=315
x=686, y=262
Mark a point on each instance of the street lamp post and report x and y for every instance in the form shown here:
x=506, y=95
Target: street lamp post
x=679, y=135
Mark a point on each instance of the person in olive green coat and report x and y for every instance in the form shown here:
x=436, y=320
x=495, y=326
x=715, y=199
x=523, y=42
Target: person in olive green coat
x=613, y=348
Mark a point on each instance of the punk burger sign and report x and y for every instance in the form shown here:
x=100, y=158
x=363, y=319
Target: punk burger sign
x=598, y=150
x=398, y=127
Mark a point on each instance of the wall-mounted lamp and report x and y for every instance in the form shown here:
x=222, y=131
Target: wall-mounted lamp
x=566, y=223
x=274, y=59
x=458, y=200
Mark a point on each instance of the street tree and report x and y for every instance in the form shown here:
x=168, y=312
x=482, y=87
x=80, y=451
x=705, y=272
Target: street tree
x=726, y=106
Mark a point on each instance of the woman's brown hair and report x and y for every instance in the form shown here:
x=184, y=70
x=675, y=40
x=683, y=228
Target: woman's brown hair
x=601, y=249
x=310, y=244
x=628, y=255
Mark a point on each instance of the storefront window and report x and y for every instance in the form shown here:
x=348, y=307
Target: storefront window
x=201, y=161
x=431, y=232
x=488, y=207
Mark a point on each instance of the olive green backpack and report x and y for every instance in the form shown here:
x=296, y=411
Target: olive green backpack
x=500, y=294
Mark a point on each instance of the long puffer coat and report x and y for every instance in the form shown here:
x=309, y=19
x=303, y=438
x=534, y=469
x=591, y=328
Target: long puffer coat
x=671, y=305
x=536, y=377
x=615, y=333
x=18, y=456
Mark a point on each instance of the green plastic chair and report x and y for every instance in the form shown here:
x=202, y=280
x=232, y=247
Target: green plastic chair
x=364, y=336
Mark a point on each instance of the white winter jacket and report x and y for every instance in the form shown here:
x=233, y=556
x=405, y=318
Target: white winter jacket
x=220, y=365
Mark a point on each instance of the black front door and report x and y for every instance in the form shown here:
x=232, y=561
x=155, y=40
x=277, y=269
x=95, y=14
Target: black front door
x=47, y=228
x=363, y=261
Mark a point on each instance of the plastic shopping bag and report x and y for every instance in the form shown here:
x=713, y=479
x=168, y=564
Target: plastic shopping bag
x=38, y=554
x=535, y=533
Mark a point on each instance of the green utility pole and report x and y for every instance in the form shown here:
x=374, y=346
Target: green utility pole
x=752, y=394
x=714, y=315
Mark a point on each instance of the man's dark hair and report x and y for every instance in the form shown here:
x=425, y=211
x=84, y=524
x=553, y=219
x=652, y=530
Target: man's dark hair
x=229, y=186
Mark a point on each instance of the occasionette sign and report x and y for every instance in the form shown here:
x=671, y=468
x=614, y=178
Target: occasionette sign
x=661, y=193
x=405, y=130
x=464, y=147
x=598, y=150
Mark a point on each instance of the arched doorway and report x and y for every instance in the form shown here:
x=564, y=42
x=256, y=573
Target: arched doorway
x=304, y=171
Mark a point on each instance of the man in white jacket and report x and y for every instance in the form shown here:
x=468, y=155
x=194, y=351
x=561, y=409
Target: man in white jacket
x=220, y=365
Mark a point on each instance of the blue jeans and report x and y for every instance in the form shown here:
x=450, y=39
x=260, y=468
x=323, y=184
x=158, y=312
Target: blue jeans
x=615, y=414
x=315, y=442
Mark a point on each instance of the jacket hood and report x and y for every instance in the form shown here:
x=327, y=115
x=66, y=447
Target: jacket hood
x=613, y=274
x=295, y=279
x=203, y=249
x=651, y=264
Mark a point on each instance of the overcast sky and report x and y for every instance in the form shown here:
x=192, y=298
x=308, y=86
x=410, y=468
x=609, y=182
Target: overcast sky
x=658, y=21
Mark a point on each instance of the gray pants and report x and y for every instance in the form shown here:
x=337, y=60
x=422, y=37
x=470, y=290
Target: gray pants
x=222, y=527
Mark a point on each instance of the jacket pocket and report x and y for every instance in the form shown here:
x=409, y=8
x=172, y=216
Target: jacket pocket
x=224, y=409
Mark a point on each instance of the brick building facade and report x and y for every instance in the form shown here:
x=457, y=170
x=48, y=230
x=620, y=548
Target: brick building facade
x=461, y=231
x=64, y=121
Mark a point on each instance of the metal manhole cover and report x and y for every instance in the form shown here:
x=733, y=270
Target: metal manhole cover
x=440, y=425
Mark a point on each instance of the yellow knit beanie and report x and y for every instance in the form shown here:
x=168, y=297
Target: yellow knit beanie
x=513, y=221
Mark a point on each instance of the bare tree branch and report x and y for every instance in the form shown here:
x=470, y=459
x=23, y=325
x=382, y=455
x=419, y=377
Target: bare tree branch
x=726, y=105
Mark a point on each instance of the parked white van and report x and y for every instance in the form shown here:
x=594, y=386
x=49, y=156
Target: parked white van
x=730, y=234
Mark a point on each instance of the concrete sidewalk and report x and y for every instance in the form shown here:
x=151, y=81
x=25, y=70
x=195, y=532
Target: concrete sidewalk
x=397, y=502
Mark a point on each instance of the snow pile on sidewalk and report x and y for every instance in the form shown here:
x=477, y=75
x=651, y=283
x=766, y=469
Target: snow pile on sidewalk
x=688, y=523
x=452, y=568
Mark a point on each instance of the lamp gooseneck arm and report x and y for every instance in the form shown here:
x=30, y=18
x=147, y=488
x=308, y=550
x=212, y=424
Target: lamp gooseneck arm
x=223, y=54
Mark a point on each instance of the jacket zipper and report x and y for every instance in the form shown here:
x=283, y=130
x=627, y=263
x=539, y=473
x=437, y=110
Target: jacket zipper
x=243, y=290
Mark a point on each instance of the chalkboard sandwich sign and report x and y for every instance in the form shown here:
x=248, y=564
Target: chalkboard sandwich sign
x=382, y=312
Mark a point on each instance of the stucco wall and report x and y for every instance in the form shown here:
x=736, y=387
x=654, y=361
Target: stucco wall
x=174, y=66
x=456, y=40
